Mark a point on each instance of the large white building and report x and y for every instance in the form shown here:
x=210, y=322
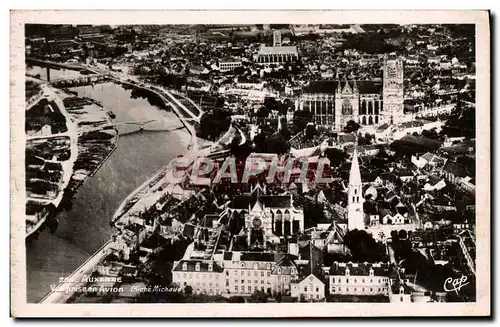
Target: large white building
x=359, y=279
x=229, y=65
x=204, y=276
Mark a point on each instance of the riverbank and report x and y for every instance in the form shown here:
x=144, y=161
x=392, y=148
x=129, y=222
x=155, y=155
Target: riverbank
x=84, y=221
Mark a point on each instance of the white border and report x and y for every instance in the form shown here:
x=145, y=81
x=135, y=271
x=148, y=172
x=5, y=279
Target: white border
x=18, y=273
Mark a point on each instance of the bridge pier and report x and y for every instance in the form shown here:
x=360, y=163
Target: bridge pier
x=48, y=74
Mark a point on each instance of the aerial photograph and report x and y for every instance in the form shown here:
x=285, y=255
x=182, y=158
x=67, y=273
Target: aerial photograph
x=264, y=163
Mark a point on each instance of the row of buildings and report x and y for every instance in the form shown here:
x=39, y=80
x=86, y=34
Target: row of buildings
x=300, y=276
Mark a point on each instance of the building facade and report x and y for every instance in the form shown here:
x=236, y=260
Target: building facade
x=359, y=279
x=227, y=66
x=334, y=103
x=204, y=277
x=276, y=55
x=269, y=216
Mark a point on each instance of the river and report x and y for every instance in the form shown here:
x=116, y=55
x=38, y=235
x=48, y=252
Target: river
x=85, y=227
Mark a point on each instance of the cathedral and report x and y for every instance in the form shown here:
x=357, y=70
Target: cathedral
x=267, y=217
x=334, y=103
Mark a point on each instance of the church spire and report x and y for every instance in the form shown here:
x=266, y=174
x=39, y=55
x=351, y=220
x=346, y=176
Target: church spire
x=347, y=87
x=355, y=175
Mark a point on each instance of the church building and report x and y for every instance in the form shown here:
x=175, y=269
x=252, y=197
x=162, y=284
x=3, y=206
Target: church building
x=355, y=215
x=333, y=103
x=267, y=216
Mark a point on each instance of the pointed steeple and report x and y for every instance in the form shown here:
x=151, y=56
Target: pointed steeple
x=347, y=87
x=355, y=175
x=257, y=207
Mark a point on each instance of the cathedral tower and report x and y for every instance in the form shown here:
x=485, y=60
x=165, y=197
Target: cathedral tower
x=277, y=39
x=355, y=217
x=393, y=95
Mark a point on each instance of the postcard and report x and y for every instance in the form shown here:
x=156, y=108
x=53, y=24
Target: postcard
x=282, y=163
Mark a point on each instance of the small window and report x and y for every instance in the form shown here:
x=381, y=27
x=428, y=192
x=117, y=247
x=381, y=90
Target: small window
x=261, y=274
x=210, y=267
x=305, y=288
x=279, y=271
x=184, y=266
x=243, y=281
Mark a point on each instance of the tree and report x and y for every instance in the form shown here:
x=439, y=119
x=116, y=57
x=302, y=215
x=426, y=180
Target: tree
x=310, y=131
x=403, y=234
x=301, y=118
x=313, y=214
x=367, y=139
x=276, y=143
x=363, y=246
x=258, y=297
x=214, y=123
x=432, y=134
x=337, y=157
x=188, y=289
x=351, y=126
x=263, y=112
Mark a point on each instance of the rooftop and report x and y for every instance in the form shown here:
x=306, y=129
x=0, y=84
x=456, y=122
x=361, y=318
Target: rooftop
x=278, y=50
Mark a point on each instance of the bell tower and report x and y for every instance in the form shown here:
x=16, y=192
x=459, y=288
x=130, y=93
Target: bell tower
x=393, y=95
x=355, y=216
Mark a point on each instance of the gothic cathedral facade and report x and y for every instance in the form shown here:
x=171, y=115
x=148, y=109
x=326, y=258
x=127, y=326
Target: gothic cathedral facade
x=334, y=103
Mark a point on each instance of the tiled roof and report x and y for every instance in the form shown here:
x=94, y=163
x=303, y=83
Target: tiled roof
x=455, y=169
x=330, y=86
x=270, y=201
x=257, y=256
x=191, y=266
x=359, y=269
x=315, y=266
